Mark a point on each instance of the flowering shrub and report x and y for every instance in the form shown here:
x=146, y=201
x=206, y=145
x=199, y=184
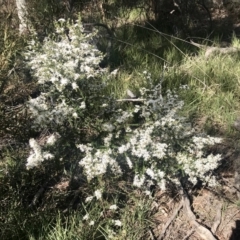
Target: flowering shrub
x=163, y=148
x=66, y=67
x=151, y=141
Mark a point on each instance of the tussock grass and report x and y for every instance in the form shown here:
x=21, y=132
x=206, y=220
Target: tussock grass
x=214, y=87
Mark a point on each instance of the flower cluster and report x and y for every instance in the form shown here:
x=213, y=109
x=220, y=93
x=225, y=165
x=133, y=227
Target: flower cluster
x=96, y=164
x=66, y=67
x=37, y=156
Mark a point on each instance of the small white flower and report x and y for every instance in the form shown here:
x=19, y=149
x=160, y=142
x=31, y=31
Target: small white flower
x=51, y=139
x=36, y=157
x=74, y=86
x=113, y=207
x=129, y=162
x=138, y=180
x=47, y=155
x=86, y=217
x=75, y=115
x=160, y=174
x=64, y=81
x=114, y=72
x=107, y=140
x=82, y=147
x=61, y=20
x=122, y=149
x=148, y=193
x=162, y=184
x=83, y=105
x=117, y=223
x=89, y=199
x=137, y=109
x=108, y=127
x=98, y=194
x=150, y=173
x=128, y=130
x=91, y=223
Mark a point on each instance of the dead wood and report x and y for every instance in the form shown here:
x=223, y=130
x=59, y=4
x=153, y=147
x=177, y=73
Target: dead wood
x=170, y=220
x=213, y=51
x=202, y=231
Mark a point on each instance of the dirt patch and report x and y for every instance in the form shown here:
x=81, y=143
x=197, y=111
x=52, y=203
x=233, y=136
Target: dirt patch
x=217, y=214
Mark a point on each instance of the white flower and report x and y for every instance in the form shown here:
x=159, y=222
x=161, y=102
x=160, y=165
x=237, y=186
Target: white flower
x=137, y=109
x=108, y=127
x=47, y=155
x=75, y=115
x=64, y=81
x=150, y=173
x=160, y=174
x=61, y=20
x=86, y=217
x=83, y=148
x=98, y=194
x=128, y=130
x=147, y=192
x=107, y=140
x=113, y=207
x=138, y=180
x=83, y=105
x=35, y=158
x=74, y=86
x=123, y=148
x=117, y=223
x=52, y=139
x=129, y=162
x=162, y=184
x=98, y=163
x=91, y=223
x=89, y=199
x=114, y=72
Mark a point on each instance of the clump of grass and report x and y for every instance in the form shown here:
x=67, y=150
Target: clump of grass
x=214, y=87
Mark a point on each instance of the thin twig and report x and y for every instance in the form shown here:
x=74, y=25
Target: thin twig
x=217, y=219
x=37, y=195
x=131, y=100
x=152, y=237
x=189, y=234
x=170, y=220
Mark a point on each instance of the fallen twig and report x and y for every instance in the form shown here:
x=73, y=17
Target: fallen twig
x=37, y=196
x=189, y=234
x=152, y=237
x=217, y=220
x=167, y=224
x=131, y=100
x=202, y=231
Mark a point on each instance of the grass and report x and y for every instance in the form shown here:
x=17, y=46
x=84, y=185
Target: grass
x=213, y=95
x=213, y=83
